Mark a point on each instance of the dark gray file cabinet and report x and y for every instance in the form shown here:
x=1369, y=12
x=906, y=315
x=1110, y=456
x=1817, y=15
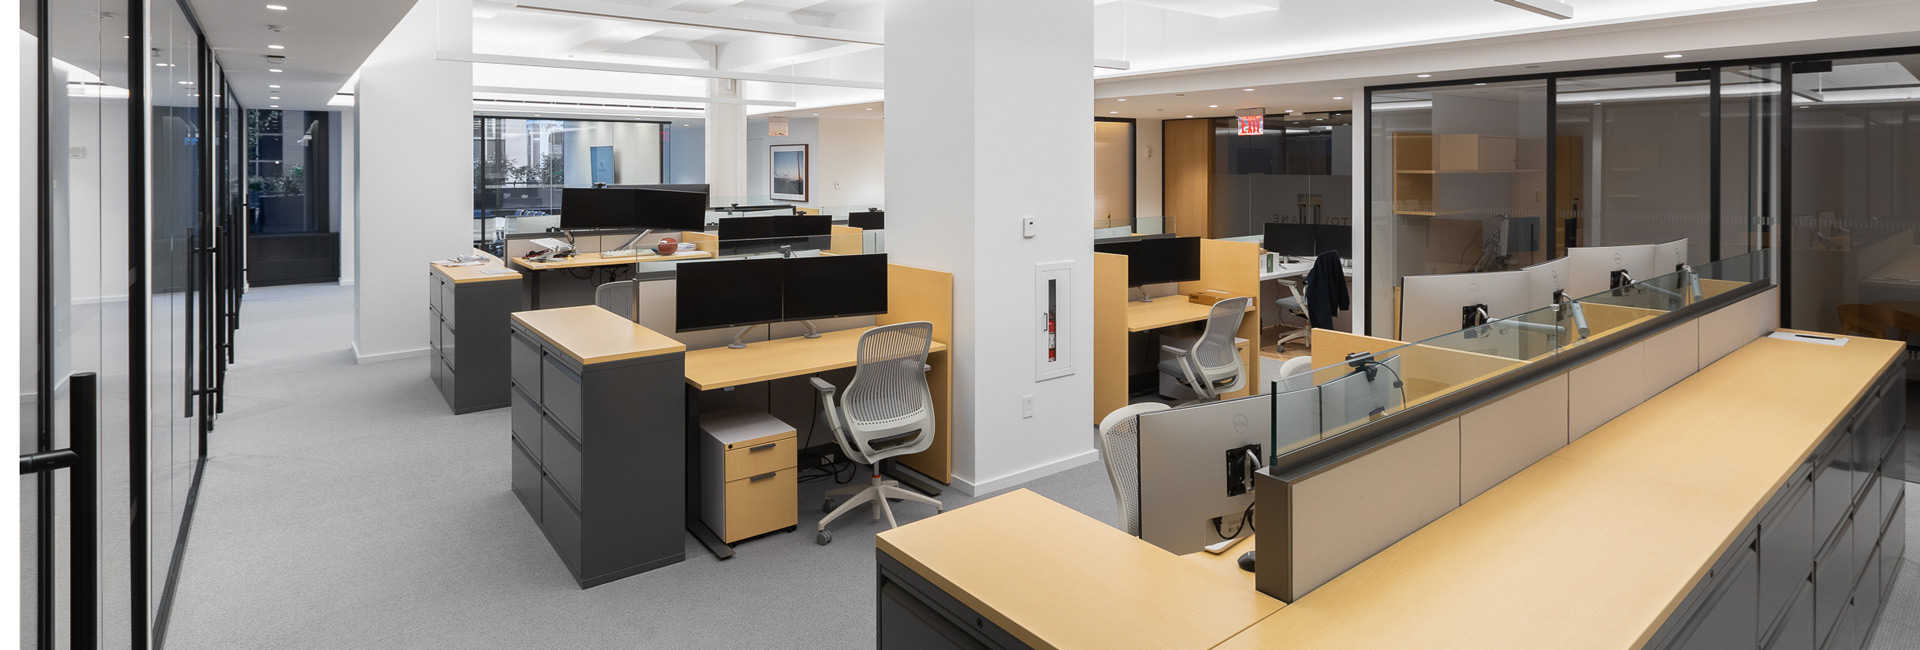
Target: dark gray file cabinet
x=467, y=317
x=598, y=453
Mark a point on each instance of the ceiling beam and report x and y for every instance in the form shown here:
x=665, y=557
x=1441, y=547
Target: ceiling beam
x=1111, y=64
x=518, y=90
x=1549, y=8
x=705, y=21
x=572, y=64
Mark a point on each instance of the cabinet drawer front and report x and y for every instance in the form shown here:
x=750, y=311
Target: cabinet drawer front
x=562, y=524
x=760, y=459
x=560, y=394
x=435, y=284
x=1795, y=631
x=1893, y=545
x=525, y=364
x=447, y=344
x=1892, y=487
x=1832, y=488
x=761, y=506
x=526, y=421
x=448, y=291
x=1866, y=530
x=526, y=479
x=1832, y=585
x=448, y=383
x=562, y=461
x=1786, y=556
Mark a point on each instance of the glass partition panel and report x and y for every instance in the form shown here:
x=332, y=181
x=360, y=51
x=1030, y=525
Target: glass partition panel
x=1297, y=170
x=1635, y=156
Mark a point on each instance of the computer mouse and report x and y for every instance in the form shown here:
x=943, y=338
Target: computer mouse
x=1246, y=561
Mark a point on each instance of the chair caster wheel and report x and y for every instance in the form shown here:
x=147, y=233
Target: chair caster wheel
x=826, y=506
x=823, y=538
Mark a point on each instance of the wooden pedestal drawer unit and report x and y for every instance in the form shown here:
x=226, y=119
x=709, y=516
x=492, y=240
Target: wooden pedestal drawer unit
x=749, y=484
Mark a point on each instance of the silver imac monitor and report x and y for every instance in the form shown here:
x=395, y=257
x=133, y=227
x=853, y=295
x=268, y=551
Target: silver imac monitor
x=1196, y=481
x=1362, y=394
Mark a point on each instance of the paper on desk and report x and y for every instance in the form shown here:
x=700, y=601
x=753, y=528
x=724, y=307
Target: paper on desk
x=498, y=271
x=454, y=263
x=1810, y=338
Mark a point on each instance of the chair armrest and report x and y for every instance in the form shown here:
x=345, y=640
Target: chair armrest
x=1173, y=350
x=822, y=385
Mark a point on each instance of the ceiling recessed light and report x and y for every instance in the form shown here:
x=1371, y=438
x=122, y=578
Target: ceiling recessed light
x=186, y=83
x=1287, y=111
x=277, y=7
x=1189, y=116
x=273, y=106
x=1483, y=83
x=1213, y=105
x=1338, y=98
x=869, y=109
x=1246, y=90
x=163, y=65
x=1672, y=56
x=274, y=70
x=276, y=47
x=274, y=86
x=1423, y=76
x=1113, y=112
x=816, y=113
x=273, y=98
x=1122, y=99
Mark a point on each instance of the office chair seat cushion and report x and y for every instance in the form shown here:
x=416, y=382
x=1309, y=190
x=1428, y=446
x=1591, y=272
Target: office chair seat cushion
x=1289, y=302
x=1172, y=367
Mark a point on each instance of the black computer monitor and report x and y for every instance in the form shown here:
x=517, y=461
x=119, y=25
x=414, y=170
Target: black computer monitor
x=586, y=207
x=1289, y=239
x=726, y=293
x=805, y=225
x=1157, y=261
x=834, y=286
x=1333, y=238
x=869, y=220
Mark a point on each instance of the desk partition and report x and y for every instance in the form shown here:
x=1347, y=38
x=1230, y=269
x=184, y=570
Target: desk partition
x=1459, y=412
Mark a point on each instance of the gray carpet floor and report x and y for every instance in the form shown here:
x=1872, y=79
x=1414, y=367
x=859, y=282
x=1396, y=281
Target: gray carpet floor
x=343, y=506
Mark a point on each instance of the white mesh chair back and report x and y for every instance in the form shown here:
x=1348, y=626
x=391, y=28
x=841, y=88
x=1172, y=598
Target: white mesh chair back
x=1215, y=348
x=888, y=395
x=1294, y=375
x=616, y=297
x=1119, y=440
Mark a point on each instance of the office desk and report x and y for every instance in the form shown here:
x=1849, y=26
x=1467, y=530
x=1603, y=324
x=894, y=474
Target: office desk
x=537, y=273
x=1053, y=578
x=717, y=368
x=1231, y=267
x=1167, y=311
x=1228, y=563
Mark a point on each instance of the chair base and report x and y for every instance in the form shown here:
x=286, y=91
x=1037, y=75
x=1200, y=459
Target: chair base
x=876, y=494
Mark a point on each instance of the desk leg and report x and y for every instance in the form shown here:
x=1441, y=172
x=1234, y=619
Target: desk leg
x=535, y=277
x=695, y=525
x=910, y=479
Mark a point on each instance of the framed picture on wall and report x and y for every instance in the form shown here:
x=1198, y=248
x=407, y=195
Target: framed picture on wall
x=787, y=172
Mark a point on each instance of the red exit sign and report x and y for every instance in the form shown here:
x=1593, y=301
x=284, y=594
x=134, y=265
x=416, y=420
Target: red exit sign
x=1253, y=124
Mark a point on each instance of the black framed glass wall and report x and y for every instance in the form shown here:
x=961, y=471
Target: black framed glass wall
x=521, y=164
x=1297, y=169
x=1113, y=173
x=1599, y=158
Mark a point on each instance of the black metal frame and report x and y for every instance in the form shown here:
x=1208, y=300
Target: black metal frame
x=1777, y=223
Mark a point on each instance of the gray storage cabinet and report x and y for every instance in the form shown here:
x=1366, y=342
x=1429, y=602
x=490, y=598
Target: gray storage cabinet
x=468, y=341
x=597, y=454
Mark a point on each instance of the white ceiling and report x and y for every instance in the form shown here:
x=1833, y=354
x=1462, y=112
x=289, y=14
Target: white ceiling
x=325, y=40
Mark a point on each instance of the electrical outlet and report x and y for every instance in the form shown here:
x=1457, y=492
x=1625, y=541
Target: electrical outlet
x=1029, y=227
x=1026, y=407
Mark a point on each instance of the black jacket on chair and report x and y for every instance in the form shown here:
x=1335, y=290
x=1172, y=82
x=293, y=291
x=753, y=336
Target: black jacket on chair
x=1326, y=290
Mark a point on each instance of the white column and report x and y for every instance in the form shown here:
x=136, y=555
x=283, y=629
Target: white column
x=988, y=121
x=415, y=163
x=727, y=146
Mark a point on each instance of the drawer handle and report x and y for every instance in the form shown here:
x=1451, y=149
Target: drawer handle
x=764, y=447
x=767, y=475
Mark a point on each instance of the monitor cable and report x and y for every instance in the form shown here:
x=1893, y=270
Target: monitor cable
x=1364, y=361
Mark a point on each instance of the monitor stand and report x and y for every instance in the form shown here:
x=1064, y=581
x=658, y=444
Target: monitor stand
x=812, y=332
x=738, y=344
x=1143, y=295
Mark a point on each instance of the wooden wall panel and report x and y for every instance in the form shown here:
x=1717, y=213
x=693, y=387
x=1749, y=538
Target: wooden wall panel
x=921, y=294
x=1187, y=176
x=845, y=240
x=1109, y=334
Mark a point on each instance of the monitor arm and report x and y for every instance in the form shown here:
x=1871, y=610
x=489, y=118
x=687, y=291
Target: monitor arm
x=737, y=343
x=1568, y=304
x=635, y=241
x=812, y=332
x=1143, y=295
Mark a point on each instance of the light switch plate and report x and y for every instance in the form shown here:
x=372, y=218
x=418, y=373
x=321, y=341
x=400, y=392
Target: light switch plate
x=1028, y=227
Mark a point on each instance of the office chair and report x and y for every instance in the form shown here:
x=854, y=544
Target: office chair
x=1296, y=303
x=616, y=297
x=1212, y=366
x=1119, y=438
x=1294, y=374
x=887, y=412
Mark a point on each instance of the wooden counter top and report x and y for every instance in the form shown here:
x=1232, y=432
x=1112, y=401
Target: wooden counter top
x=1166, y=311
x=1563, y=555
x=591, y=335
x=723, y=367
x=478, y=272
x=1755, y=413
x=595, y=259
x=1228, y=563
x=1057, y=579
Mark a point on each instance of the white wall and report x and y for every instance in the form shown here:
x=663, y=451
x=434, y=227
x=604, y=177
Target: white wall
x=103, y=219
x=636, y=152
x=687, y=152
x=415, y=166
x=987, y=124
x=846, y=160
x=348, y=200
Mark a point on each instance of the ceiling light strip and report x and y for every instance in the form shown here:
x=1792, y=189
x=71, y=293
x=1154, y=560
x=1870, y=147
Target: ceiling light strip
x=537, y=62
x=707, y=21
x=515, y=90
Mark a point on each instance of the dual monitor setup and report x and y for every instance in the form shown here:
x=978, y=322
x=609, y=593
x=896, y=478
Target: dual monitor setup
x=1156, y=260
x=1196, y=463
x=1302, y=240
x=1437, y=305
x=751, y=291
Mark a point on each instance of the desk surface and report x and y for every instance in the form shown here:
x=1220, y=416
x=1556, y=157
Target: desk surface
x=1596, y=545
x=725, y=367
x=1166, y=311
x=1228, y=563
x=590, y=334
x=489, y=271
x=595, y=259
x=1075, y=582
